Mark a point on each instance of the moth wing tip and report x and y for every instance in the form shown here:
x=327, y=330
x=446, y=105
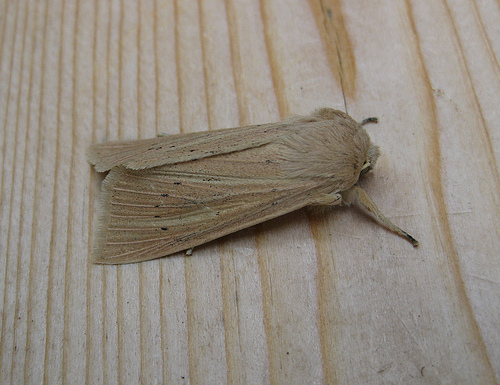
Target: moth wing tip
x=92, y=157
x=96, y=258
x=95, y=160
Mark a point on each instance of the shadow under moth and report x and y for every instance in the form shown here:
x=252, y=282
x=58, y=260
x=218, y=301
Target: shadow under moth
x=172, y=193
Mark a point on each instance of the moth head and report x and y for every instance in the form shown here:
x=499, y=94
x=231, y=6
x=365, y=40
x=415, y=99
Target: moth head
x=371, y=158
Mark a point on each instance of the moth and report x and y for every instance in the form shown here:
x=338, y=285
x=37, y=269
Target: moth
x=172, y=193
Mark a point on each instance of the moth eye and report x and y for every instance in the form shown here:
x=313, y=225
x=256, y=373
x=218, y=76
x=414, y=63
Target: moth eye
x=367, y=166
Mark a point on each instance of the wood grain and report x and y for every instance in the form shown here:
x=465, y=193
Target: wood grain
x=304, y=299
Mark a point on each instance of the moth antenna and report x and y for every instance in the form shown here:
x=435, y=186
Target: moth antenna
x=372, y=119
x=364, y=199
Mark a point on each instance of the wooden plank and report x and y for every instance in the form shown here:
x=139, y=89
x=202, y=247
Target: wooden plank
x=307, y=298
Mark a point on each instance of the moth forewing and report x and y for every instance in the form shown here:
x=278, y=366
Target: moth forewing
x=153, y=152
x=155, y=212
x=168, y=194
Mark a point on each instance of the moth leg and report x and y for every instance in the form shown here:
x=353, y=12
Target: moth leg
x=162, y=134
x=357, y=194
x=328, y=200
x=189, y=252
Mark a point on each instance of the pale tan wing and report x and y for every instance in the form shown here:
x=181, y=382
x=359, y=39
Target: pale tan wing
x=156, y=212
x=147, y=153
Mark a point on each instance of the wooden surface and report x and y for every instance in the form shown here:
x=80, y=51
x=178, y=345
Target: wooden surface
x=304, y=299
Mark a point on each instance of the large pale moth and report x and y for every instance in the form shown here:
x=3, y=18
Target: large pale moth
x=172, y=193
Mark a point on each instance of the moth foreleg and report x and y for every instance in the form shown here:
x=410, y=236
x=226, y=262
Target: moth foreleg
x=357, y=194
